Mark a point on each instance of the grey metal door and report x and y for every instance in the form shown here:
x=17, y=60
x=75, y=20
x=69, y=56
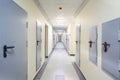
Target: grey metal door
x=38, y=51
x=67, y=41
x=93, y=45
x=78, y=30
x=53, y=41
x=111, y=48
x=13, y=38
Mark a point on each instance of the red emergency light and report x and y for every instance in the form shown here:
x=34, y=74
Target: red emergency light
x=60, y=8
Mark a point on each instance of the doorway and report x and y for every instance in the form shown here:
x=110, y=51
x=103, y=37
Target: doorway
x=13, y=41
x=78, y=32
x=38, y=44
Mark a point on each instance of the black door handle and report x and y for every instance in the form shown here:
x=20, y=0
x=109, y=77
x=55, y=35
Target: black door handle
x=5, y=47
x=106, y=46
x=38, y=42
x=76, y=42
x=91, y=43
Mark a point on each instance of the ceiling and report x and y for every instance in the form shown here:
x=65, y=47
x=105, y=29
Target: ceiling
x=60, y=13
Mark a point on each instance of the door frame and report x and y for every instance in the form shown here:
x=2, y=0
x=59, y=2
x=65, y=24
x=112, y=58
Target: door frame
x=78, y=43
x=37, y=24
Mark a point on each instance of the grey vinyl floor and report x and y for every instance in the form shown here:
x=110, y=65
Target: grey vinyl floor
x=60, y=66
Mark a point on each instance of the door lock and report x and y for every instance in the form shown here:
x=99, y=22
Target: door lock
x=5, y=50
x=91, y=43
x=38, y=42
x=76, y=42
x=106, y=46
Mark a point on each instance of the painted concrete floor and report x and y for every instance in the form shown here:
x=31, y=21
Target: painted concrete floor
x=60, y=66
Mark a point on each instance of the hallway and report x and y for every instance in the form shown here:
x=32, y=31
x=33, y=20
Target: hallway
x=59, y=40
x=60, y=66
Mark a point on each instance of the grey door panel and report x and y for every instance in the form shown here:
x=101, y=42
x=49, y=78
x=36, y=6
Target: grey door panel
x=111, y=50
x=53, y=40
x=93, y=45
x=78, y=30
x=13, y=32
x=68, y=41
x=38, y=52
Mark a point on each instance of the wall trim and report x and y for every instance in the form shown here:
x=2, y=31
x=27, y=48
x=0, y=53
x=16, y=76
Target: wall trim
x=39, y=73
x=66, y=48
x=82, y=5
x=80, y=74
x=42, y=10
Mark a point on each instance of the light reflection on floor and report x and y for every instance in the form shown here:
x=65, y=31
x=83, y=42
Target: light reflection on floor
x=60, y=66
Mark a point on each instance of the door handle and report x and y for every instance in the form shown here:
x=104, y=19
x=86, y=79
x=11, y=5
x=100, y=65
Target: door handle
x=38, y=42
x=106, y=46
x=91, y=43
x=76, y=42
x=5, y=48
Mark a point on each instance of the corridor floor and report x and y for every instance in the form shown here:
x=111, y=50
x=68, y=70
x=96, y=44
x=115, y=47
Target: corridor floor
x=60, y=66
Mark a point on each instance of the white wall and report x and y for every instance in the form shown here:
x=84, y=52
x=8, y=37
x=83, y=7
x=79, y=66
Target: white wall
x=34, y=14
x=95, y=13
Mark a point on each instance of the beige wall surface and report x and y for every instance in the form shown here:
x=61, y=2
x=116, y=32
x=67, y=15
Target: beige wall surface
x=34, y=14
x=55, y=38
x=50, y=40
x=46, y=40
x=95, y=13
x=72, y=32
